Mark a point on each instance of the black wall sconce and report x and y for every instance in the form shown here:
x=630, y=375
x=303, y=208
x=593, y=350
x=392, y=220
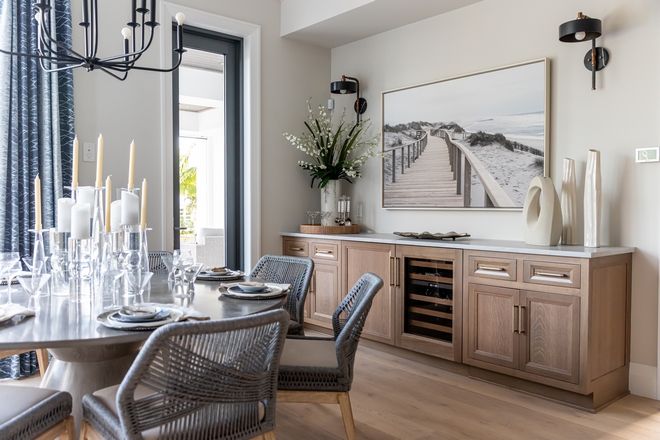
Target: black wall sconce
x=349, y=85
x=584, y=29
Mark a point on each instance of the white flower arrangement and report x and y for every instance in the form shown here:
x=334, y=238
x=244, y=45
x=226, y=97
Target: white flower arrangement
x=331, y=149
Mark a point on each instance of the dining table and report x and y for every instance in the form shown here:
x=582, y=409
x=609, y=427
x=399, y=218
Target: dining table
x=86, y=355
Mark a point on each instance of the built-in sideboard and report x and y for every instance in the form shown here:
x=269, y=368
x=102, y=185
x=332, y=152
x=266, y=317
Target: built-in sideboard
x=554, y=321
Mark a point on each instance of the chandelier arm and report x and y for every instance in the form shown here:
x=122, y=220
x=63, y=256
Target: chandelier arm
x=132, y=54
x=45, y=47
x=120, y=78
x=151, y=69
x=95, y=27
x=58, y=69
x=51, y=40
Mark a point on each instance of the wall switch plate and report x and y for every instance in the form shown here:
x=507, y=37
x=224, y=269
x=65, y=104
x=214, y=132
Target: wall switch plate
x=89, y=154
x=331, y=104
x=651, y=154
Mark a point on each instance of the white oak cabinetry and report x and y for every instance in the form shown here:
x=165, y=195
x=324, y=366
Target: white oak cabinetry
x=562, y=322
x=540, y=320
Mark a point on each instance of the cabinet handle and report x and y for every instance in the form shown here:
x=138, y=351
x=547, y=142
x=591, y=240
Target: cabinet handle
x=516, y=318
x=550, y=274
x=398, y=272
x=324, y=252
x=391, y=271
x=491, y=268
x=296, y=249
x=521, y=315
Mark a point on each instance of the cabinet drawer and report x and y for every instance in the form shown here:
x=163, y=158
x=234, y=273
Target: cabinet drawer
x=296, y=248
x=551, y=274
x=325, y=251
x=492, y=267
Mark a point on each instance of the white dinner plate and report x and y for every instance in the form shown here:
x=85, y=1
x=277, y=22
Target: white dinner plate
x=104, y=320
x=271, y=291
x=138, y=313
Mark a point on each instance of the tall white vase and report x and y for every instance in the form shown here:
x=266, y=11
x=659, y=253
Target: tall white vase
x=542, y=213
x=569, y=203
x=593, y=200
x=329, y=198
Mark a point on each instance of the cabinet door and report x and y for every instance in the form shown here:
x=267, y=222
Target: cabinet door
x=323, y=297
x=359, y=258
x=492, y=323
x=550, y=335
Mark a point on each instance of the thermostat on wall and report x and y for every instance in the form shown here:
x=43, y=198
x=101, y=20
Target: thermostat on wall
x=647, y=154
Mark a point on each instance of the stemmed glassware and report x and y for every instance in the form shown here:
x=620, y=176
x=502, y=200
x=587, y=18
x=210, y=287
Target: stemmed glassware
x=190, y=274
x=181, y=260
x=8, y=270
x=168, y=261
x=33, y=283
x=312, y=215
x=138, y=284
x=325, y=215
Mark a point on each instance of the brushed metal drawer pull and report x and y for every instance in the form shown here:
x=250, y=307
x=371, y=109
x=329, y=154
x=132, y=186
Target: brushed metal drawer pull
x=521, y=315
x=550, y=274
x=392, y=271
x=516, y=318
x=491, y=268
x=324, y=252
x=296, y=249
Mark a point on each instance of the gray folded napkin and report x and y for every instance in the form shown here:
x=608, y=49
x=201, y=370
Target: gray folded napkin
x=284, y=287
x=12, y=310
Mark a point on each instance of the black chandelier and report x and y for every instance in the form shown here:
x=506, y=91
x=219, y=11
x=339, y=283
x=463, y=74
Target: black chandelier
x=51, y=52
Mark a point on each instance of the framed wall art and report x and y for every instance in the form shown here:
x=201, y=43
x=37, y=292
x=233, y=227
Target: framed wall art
x=470, y=141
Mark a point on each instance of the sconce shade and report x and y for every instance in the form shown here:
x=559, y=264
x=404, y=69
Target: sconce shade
x=343, y=87
x=592, y=28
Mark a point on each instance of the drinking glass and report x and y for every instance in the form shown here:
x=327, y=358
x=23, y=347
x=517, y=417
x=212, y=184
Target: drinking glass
x=181, y=260
x=190, y=274
x=8, y=271
x=314, y=214
x=325, y=215
x=309, y=214
x=168, y=261
x=33, y=283
x=138, y=282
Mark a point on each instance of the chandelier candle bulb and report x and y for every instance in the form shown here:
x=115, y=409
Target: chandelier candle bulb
x=64, y=206
x=99, y=162
x=108, y=203
x=37, y=203
x=143, y=213
x=86, y=195
x=74, y=173
x=80, y=215
x=115, y=216
x=130, y=208
x=131, y=167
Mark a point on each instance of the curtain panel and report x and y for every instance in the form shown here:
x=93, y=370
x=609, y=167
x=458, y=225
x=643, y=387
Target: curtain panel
x=36, y=135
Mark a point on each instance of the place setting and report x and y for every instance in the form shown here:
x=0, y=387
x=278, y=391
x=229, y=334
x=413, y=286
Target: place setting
x=220, y=274
x=148, y=316
x=254, y=290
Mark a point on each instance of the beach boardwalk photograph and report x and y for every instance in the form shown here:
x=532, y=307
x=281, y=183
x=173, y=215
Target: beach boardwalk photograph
x=473, y=141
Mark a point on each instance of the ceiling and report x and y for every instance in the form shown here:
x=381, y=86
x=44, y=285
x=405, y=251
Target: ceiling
x=372, y=18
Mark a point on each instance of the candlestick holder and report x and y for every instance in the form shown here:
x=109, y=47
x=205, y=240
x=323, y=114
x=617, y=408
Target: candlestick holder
x=144, y=250
x=98, y=228
x=130, y=190
x=59, y=262
x=111, y=269
x=79, y=268
x=38, y=253
x=132, y=255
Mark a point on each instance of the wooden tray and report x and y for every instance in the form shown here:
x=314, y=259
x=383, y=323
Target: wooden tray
x=318, y=229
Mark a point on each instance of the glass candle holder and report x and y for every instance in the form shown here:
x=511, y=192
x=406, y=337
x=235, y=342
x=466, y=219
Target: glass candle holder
x=59, y=262
x=132, y=255
x=98, y=228
x=79, y=268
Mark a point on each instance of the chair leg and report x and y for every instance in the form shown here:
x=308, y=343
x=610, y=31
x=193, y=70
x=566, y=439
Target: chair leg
x=70, y=427
x=270, y=435
x=87, y=432
x=42, y=358
x=347, y=415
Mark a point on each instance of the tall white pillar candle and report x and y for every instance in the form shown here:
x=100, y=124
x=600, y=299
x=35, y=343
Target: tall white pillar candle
x=130, y=208
x=64, y=206
x=86, y=195
x=143, y=209
x=74, y=173
x=80, y=215
x=131, y=167
x=115, y=216
x=99, y=162
x=37, y=203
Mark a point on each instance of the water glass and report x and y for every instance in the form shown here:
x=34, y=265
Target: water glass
x=33, y=283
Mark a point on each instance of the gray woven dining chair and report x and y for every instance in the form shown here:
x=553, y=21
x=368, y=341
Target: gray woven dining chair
x=196, y=380
x=296, y=271
x=320, y=370
x=35, y=413
x=156, y=261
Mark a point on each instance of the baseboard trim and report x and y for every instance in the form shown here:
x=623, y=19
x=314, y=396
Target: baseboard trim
x=644, y=380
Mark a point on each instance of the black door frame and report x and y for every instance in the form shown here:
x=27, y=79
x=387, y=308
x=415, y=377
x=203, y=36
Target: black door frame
x=232, y=48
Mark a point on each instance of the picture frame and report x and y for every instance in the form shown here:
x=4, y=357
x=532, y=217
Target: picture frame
x=472, y=141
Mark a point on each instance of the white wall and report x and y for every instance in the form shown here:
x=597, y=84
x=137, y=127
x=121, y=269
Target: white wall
x=291, y=72
x=620, y=116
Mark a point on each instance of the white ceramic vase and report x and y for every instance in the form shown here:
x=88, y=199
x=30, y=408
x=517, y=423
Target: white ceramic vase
x=569, y=204
x=329, y=198
x=593, y=200
x=542, y=221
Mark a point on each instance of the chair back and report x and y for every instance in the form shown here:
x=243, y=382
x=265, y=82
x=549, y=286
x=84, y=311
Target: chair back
x=211, y=379
x=156, y=262
x=349, y=318
x=296, y=271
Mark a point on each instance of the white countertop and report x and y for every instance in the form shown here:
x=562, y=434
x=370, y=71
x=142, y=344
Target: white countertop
x=479, y=244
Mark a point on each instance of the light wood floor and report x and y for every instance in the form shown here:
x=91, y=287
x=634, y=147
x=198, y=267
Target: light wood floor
x=395, y=398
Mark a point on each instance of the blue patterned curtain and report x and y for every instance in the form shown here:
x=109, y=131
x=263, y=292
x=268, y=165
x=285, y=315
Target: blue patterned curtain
x=36, y=135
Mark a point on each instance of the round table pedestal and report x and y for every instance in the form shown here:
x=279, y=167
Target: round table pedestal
x=83, y=370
